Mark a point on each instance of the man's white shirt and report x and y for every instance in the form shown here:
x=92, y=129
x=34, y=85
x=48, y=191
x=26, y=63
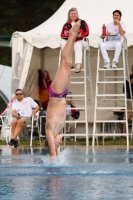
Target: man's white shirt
x=24, y=107
x=114, y=31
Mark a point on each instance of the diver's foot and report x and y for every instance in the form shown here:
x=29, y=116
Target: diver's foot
x=74, y=30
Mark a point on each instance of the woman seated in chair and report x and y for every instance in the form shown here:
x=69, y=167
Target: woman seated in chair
x=56, y=111
x=79, y=42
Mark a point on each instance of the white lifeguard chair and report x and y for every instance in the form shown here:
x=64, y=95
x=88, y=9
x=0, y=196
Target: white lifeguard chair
x=106, y=98
x=79, y=80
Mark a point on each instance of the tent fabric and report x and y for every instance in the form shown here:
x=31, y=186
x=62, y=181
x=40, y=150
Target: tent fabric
x=39, y=47
x=5, y=86
x=95, y=13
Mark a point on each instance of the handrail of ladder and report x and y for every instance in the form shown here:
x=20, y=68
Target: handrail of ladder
x=124, y=52
x=125, y=43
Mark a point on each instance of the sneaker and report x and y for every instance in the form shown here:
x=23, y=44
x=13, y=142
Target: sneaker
x=16, y=144
x=12, y=142
x=107, y=65
x=114, y=64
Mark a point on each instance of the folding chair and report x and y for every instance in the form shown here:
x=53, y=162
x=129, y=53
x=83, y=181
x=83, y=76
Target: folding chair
x=34, y=124
x=6, y=128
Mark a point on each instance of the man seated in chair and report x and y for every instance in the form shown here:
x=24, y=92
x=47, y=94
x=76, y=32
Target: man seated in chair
x=114, y=31
x=23, y=109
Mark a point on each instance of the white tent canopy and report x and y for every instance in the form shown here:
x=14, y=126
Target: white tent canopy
x=95, y=13
x=39, y=47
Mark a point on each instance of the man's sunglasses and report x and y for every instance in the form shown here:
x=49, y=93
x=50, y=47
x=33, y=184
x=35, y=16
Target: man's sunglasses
x=19, y=94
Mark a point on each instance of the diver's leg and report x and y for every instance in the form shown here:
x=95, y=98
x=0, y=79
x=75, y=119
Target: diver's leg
x=63, y=74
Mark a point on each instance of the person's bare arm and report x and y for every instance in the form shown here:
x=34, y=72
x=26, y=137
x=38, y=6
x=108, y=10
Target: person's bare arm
x=51, y=144
x=35, y=111
x=58, y=151
x=121, y=31
x=107, y=34
x=15, y=114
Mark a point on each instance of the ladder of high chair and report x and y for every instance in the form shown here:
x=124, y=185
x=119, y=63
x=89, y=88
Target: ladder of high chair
x=97, y=95
x=82, y=81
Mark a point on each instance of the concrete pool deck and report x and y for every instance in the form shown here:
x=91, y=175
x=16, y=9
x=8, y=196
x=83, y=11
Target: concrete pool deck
x=68, y=146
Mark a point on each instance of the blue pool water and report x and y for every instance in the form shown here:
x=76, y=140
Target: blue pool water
x=77, y=174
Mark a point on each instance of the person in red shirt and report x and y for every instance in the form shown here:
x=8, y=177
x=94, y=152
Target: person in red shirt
x=80, y=43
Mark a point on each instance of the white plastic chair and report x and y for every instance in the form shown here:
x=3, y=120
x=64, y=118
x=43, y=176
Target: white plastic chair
x=34, y=124
x=6, y=129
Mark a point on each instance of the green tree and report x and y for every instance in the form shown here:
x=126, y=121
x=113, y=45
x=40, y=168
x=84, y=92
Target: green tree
x=22, y=15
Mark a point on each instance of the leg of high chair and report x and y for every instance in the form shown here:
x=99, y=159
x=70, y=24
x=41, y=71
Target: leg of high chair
x=39, y=135
x=132, y=131
x=103, y=133
x=75, y=139
x=97, y=140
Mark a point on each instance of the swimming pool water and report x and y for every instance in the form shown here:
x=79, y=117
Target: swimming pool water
x=77, y=174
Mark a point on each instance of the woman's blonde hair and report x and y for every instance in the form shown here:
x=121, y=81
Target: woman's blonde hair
x=72, y=9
